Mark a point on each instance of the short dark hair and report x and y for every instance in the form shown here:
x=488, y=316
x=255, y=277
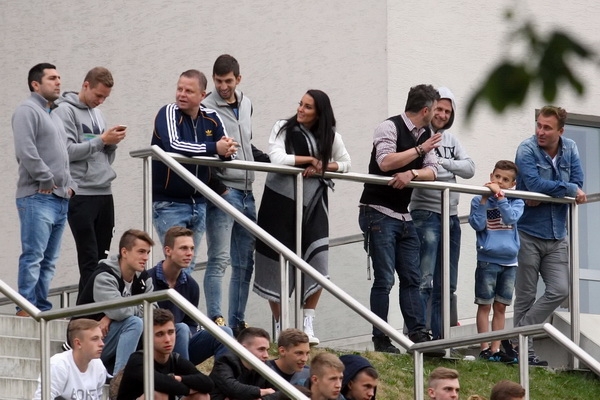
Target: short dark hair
x=252, y=332
x=558, y=112
x=195, y=74
x=128, y=239
x=291, y=337
x=76, y=326
x=370, y=371
x=507, y=165
x=99, y=75
x=421, y=96
x=507, y=390
x=36, y=73
x=442, y=373
x=161, y=316
x=225, y=64
x=175, y=232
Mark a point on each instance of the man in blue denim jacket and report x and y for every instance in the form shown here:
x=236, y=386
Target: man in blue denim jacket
x=548, y=164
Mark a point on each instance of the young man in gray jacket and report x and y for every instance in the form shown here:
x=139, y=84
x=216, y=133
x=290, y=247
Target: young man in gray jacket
x=426, y=210
x=91, y=146
x=120, y=276
x=44, y=185
x=227, y=240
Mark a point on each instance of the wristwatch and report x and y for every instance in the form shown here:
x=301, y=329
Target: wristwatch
x=415, y=173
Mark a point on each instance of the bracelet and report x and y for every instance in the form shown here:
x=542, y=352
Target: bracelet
x=420, y=151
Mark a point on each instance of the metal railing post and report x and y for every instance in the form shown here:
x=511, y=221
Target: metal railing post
x=45, y=359
x=574, y=293
x=148, y=336
x=298, y=317
x=445, y=292
x=147, y=200
x=284, y=305
x=524, y=363
x=419, y=380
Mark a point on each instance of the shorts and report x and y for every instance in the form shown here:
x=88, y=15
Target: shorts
x=494, y=282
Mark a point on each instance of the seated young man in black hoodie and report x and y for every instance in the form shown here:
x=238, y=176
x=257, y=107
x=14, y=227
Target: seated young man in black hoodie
x=360, y=378
x=234, y=378
x=174, y=376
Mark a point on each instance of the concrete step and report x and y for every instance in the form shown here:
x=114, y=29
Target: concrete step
x=11, y=325
x=25, y=368
x=11, y=346
x=17, y=388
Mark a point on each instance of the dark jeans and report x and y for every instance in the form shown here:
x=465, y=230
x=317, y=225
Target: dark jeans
x=429, y=229
x=394, y=247
x=92, y=222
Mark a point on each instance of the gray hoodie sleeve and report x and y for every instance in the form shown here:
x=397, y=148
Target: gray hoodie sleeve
x=77, y=148
x=462, y=165
x=106, y=287
x=24, y=122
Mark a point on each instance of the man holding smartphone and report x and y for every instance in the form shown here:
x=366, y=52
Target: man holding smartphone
x=91, y=146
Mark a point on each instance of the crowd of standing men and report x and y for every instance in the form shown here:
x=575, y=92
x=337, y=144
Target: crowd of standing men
x=65, y=147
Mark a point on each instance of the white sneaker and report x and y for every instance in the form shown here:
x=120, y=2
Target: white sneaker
x=308, y=329
x=277, y=331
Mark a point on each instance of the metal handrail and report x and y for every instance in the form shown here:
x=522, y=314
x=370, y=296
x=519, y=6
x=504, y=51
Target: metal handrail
x=522, y=332
x=147, y=299
x=269, y=240
x=173, y=161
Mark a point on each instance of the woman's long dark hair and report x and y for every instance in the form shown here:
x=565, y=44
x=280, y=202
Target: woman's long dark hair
x=323, y=129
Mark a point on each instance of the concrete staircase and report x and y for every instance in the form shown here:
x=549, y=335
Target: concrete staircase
x=20, y=354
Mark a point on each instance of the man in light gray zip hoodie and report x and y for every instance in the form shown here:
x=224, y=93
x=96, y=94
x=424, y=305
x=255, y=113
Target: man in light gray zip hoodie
x=227, y=240
x=91, y=146
x=44, y=185
x=426, y=210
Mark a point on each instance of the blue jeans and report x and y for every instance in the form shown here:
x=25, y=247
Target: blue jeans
x=200, y=346
x=43, y=218
x=122, y=340
x=167, y=214
x=394, y=247
x=429, y=229
x=204, y=345
x=494, y=283
x=226, y=238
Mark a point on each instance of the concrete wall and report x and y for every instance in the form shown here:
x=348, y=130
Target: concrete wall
x=284, y=49
x=365, y=55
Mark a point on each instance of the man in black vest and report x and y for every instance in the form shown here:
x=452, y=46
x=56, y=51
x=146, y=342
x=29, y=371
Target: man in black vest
x=403, y=150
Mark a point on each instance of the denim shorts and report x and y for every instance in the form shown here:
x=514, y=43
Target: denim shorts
x=494, y=282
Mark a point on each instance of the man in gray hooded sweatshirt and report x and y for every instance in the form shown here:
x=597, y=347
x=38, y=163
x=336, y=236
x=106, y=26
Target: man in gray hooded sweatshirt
x=426, y=210
x=91, y=146
x=44, y=185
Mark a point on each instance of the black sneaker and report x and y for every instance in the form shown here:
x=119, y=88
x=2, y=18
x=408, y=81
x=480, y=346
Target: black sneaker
x=422, y=337
x=509, y=350
x=534, y=361
x=219, y=320
x=485, y=354
x=383, y=344
x=237, y=329
x=502, y=357
x=65, y=346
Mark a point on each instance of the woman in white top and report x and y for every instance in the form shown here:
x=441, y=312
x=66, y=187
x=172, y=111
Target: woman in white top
x=307, y=140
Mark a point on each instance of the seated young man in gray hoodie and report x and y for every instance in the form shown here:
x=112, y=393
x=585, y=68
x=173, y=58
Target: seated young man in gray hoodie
x=116, y=277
